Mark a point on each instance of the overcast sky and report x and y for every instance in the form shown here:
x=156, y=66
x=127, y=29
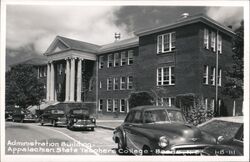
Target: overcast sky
x=31, y=29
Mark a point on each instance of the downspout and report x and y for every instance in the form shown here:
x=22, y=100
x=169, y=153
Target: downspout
x=216, y=71
x=97, y=87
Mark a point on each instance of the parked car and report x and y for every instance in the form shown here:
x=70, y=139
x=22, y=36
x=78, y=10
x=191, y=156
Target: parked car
x=8, y=115
x=79, y=118
x=231, y=139
x=22, y=115
x=53, y=116
x=159, y=130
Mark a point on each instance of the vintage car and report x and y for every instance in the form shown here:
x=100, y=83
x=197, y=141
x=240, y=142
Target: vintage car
x=53, y=116
x=22, y=115
x=8, y=115
x=79, y=118
x=227, y=146
x=159, y=130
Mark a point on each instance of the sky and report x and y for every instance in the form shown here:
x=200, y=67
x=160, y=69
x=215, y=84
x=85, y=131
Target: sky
x=32, y=28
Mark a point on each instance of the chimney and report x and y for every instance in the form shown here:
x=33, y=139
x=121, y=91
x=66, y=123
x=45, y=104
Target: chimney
x=184, y=15
x=117, y=36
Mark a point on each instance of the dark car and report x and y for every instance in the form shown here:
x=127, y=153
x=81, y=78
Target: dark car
x=8, y=115
x=53, y=116
x=79, y=118
x=159, y=131
x=22, y=115
x=228, y=146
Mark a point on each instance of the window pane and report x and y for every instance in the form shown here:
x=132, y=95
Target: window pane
x=159, y=44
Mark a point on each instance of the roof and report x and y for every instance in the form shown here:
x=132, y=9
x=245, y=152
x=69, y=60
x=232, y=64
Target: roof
x=186, y=21
x=119, y=45
x=150, y=107
x=79, y=45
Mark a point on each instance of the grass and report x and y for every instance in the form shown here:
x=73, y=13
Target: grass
x=221, y=128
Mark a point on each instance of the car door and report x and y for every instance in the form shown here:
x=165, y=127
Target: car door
x=133, y=134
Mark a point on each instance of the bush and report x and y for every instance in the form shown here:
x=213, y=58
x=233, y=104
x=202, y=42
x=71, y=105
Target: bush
x=140, y=99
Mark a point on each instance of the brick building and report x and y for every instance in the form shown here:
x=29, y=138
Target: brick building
x=188, y=57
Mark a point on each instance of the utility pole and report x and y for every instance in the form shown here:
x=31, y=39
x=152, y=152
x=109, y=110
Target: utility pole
x=216, y=72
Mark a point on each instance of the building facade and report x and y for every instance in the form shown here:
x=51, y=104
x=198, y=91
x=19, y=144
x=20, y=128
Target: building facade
x=188, y=57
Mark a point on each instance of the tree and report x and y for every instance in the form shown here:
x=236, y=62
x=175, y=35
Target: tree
x=140, y=99
x=23, y=87
x=235, y=73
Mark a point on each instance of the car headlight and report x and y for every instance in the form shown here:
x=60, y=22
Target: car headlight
x=220, y=139
x=163, y=141
x=93, y=120
x=75, y=120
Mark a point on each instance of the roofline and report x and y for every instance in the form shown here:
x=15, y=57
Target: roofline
x=121, y=47
x=191, y=20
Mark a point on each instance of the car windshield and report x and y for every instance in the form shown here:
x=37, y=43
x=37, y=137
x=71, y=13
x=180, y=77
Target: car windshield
x=163, y=116
x=57, y=111
x=80, y=112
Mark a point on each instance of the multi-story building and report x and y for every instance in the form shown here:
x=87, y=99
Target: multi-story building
x=185, y=58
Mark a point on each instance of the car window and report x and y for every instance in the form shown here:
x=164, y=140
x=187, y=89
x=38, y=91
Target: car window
x=137, y=117
x=158, y=115
x=176, y=116
x=57, y=111
x=80, y=111
x=129, y=117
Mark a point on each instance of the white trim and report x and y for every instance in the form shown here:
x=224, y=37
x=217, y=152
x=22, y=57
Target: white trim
x=123, y=53
x=122, y=83
x=219, y=77
x=114, y=83
x=160, y=42
x=121, y=104
x=213, y=41
x=110, y=60
x=130, y=56
x=128, y=82
x=212, y=79
x=109, y=99
x=206, y=38
x=169, y=74
x=99, y=104
x=118, y=59
x=115, y=104
x=206, y=74
x=101, y=62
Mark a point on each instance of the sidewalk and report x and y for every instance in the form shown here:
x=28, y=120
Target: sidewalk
x=109, y=121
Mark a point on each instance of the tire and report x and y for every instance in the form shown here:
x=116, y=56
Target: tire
x=121, y=148
x=146, y=151
x=41, y=124
x=92, y=128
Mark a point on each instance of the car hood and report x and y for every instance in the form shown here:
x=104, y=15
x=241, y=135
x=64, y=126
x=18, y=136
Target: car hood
x=179, y=129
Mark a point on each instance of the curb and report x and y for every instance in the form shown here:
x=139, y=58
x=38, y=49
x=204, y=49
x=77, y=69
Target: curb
x=104, y=127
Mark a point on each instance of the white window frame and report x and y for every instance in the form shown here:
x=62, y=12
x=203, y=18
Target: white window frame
x=101, y=62
x=129, y=82
x=115, y=103
x=161, y=99
x=109, y=84
x=219, y=44
x=122, y=83
x=219, y=77
x=168, y=76
x=213, y=41
x=110, y=60
x=122, y=105
x=205, y=74
x=127, y=105
x=116, y=59
x=109, y=105
x=206, y=38
x=123, y=58
x=212, y=79
x=161, y=42
x=99, y=107
x=130, y=57
x=212, y=104
x=115, y=83
x=100, y=84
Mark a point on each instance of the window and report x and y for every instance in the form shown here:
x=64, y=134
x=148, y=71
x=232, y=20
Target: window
x=122, y=83
x=59, y=87
x=165, y=101
x=109, y=105
x=115, y=105
x=130, y=117
x=205, y=74
x=122, y=105
x=166, y=42
x=100, y=104
x=60, y=69
x=213, y=38
x=130, y=57
x=101, y=62
x=205, y=103
x=219, y=77
x=212, y=104
x=123, y=58
x=110, y=60
x=212, y=79
x=116, y=83
x=206, y=38
x=137, y=117
x=100, y=84
x=165, y=76
x=109, y=84
x=219, y=44
x=129, y=82
x=44, y=71
x=116, y=59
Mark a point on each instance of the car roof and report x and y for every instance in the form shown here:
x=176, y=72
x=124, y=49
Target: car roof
x=154, y=107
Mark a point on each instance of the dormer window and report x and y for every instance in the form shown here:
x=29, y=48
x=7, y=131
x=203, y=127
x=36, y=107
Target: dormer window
x=166, y=42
